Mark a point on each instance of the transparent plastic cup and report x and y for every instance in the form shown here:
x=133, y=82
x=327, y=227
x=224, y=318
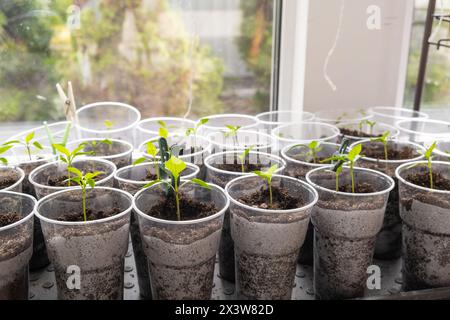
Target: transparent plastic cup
x=442, y=151
x=218, y=123
x=16, y=245
x=389, y=240
x=272, y=119
x=94, y=250
x=132, y=179
x=423, y=131
x=304, y=132
x=41, y=176
x=390, y=115
x=181, y=254
x=119, y=152
x=11, y=179
x=221, y=177
x=345, y=230
x=123, y=118
x=378, y=130
x=266, y=241
x=425, y=214
x=195, y=150
x=148, y=128
x=244, y=139
x=57, y=129
x=298, y=164
x=18, y=156
x=335, y=116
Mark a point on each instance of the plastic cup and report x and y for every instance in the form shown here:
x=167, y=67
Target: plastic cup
x=11, y=179
x=123, y=118
x=218, y=123
x=442, y=151
x=93, y=250
x=40, y=176
x=423, y=131
x=425, y=214
x=244, y=139
x=345, y=230
x=16, y=245
x=304, y=132
x=272, y=119
x=335, y=116
x=148, y=128
x=378, y=130
x=390, y=115
x=267, y=241
x=181, y=254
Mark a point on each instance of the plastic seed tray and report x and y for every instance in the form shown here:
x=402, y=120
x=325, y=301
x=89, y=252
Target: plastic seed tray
x=43, y=286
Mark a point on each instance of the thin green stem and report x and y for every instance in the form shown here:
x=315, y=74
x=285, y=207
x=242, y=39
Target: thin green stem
x=84, y=203
x=385, y=151
x=337, y=182
x=28, y=151
x=177, y=200
x=270, y=194
x=430, y=170
x=352, y=174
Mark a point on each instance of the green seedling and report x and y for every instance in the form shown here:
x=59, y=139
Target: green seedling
x=384, y=139
x=314, y=148
x=3, y=149
x=163, y=129
x=94, y=143
x=193, y=131
x=28, y=143
x=174, y=167
x=349, y=158
x=151, y=150
x=233, y=132
x=108, y=124
x=52, y=139
x=371, y=125
x=83, y=180
x=68, y=157
x=267, y=175
x=243, y=157
x=428, y=154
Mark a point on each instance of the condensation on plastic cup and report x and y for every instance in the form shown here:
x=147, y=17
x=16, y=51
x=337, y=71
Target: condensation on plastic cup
x=424, y=131
x=122, y=117
x=390, y=115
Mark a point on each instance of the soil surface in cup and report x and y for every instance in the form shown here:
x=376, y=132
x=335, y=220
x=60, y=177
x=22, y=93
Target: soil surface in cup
x=190, y=209
x=237, y=167
x=91, y=215
x=101, y=148
x=8, y=218
x=376, y=151
x=152, y=176
x=358, y=133
x=359, y=188
x=281, y=200
x=423, y=180
x=8, y=178
x=61, y=181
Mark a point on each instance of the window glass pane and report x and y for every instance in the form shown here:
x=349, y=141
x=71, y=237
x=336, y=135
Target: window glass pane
x=159, y=55
x=436, y=93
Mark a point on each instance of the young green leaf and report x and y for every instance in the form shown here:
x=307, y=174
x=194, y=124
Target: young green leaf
x=62, y=149
x=38, y=145
x=29, y=137
x=354, y=153
x=151, y=149
x=108, y=124
x=201, y=183
x=75, y=171
x=148, y=185
x=267, y=175
x=163, y=132
x=4, y=148
x=4, y=161
x=139, y=161
x=175, y=166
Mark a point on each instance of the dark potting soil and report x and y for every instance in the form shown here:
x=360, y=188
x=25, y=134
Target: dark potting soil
x=376, y=151
x=357, y=133
x=190, y=209
x=236, y=167
x=423, y=180
x=61, y=181
x=359, y=188
x=281, y=200
x=90, y=214
x=8, y=218
x=5, y=183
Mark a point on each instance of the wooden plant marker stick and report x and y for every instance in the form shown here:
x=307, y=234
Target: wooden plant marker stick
x=70, y=108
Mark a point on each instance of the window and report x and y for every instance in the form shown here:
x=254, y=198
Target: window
x=436, y=95
x=153, y=54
